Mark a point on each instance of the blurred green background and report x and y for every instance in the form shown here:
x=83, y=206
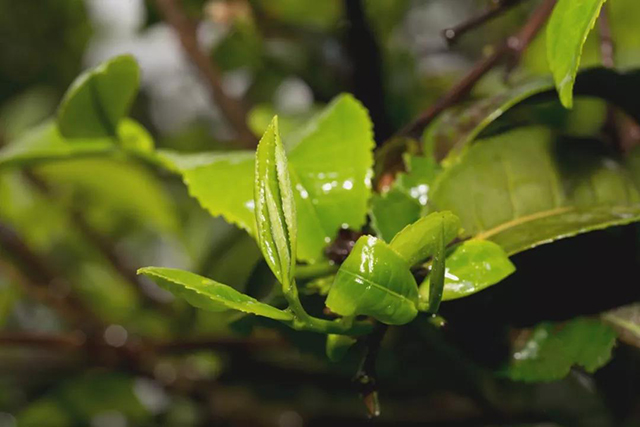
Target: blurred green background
x=288, y=57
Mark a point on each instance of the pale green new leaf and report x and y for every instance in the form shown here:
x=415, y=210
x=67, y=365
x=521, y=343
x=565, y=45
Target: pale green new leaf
x=338, y=346
x=374, y=281
x=552, y=349
x=420, y=240
x=274, y=206
x=529, y=187
x=97, y=100
x=471, y=267
x=568, y=28
x=44, y=143
x=436, y=277
x=208, y=294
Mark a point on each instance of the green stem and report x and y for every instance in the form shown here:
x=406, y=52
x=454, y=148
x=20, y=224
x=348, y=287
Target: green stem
x=313, y=271
x=303, y=321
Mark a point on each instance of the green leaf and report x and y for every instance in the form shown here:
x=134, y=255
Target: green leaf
x=471, y=267
x=208, y=294
x=338, y=346
x=404, y=203
x=418, y=241
x=393, y=211
x=528, y=187
x=374, y=281
x=99, y=99
x=44, y=143
x=550, y=351
x=626, y=321
x=436, y=277
x=100, y=184
x=457, y=127
x=569, y=25
x=330, y=169
x=331, y=174
x=275, y=206
x=205, y=175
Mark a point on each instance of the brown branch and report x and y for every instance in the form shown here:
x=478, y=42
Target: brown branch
x=62, y=342
x=220, y=343
x=366, y=377
x=39, y=279
x=513, y=47
x=495, y=9
x=607, y=48
x=231, y=108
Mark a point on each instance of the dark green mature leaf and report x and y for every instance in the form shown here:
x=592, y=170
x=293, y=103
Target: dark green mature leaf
x=374, y=281
x=418, y=241
x=471, y=267
x=569, y=25
x=550, y=351
x=626, y=321
x=208, y=294
x=99, y=99
x=457, y=127
x=330, y=169
x=528, y=187
x=274, y=206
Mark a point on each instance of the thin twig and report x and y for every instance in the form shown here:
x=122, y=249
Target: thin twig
x=495, y=9
x=64, y=342
x=514, y=46
x=40, y=279
x=366, y=377
x=233, y=109
x=107, y=248
x=607, y=48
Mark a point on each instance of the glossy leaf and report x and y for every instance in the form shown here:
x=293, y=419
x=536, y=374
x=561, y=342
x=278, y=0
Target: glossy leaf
x=205, y=175
x=626, y=321
x=331, y=174
x=471, y=267
x=275, y=208
x=393, y=211
x=436, y=277
x=549, y=351
x=569, y=25
x=528, y=187
x=208, y=294
x=99, y=99
x=404, y=203
x=420, y=240
x=330, y=169
x=374, y=281
x=338, y=346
